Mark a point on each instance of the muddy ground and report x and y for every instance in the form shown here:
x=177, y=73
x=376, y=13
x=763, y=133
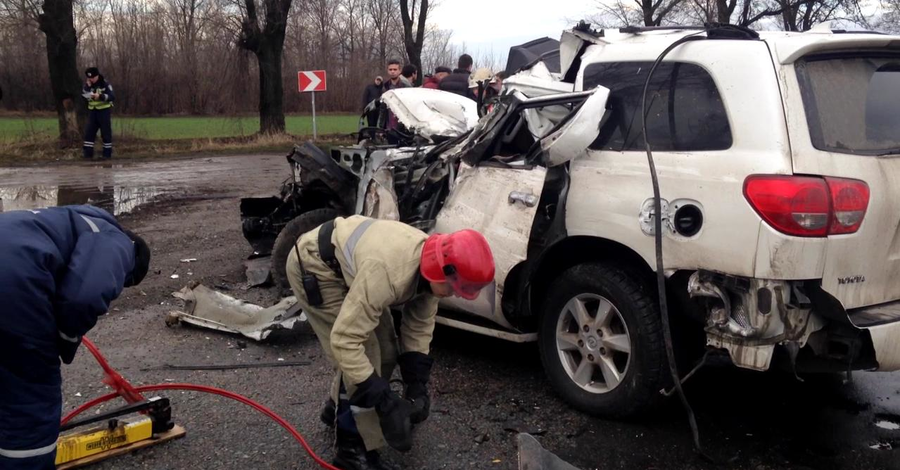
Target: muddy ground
x=484, y=390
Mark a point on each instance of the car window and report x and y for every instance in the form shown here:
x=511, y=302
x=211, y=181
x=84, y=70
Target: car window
x=685, y=110
x=851, y=102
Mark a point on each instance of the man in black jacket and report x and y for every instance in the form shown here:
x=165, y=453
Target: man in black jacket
x=458, y=81
x=99, y=95
x=372, y=93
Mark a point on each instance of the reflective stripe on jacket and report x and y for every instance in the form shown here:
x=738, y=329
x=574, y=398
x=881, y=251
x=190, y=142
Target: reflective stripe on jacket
x=102, y=88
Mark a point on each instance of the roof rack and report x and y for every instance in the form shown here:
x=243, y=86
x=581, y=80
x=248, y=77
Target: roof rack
x=644, y=29
x=862, y=31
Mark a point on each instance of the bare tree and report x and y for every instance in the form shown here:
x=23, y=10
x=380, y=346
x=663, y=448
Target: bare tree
x=57, y=22
x=413, y=39
x=266, y=41
x=635, y=12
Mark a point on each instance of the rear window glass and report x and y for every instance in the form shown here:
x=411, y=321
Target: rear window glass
x=852, y=103
x=685, y=110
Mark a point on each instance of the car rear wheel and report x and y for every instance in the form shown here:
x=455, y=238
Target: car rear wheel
x=288, y=236
x=601, y=341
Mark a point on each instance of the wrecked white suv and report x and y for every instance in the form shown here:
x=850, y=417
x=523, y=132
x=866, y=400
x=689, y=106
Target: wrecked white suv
x=778, y=158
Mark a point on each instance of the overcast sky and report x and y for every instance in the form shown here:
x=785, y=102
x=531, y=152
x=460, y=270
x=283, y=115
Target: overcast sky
x=485, y=25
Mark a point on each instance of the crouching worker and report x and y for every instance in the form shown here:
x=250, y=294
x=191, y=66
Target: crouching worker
x=59, y=270
x=347, y=274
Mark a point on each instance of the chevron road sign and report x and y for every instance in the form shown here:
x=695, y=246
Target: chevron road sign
x=310, y=82
x=313, y=80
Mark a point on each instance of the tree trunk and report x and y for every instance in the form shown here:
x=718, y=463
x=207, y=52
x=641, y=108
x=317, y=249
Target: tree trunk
x=415, y=43
x=267, y=42
x=57, y=23
x=271, y=89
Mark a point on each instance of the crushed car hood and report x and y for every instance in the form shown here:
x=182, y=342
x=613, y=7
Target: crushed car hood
x=430, y=112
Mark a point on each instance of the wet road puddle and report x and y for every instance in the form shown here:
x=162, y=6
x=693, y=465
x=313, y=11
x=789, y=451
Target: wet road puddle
x=114, y=199
x=122, y=187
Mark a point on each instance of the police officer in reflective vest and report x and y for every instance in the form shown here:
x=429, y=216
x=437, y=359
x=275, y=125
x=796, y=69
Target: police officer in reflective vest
x=99, y=95
x=59, y=270
x=347, y=275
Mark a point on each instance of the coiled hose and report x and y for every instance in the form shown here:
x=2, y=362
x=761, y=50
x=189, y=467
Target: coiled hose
x=129, y=392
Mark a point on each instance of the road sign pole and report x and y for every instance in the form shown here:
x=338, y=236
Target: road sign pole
x=314, y=114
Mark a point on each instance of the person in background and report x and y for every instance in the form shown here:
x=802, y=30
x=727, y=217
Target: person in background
x=370, y=94
x=410, y=73
x=434, y=81
x=458, y=81
x=479, y=80
x=492, y=92
x=395, y=80
x=99, y=95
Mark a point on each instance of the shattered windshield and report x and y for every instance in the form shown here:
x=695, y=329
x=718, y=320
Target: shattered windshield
x=851, y=103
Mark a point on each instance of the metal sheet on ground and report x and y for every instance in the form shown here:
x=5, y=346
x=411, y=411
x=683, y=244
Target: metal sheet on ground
x=532, y=456
x=207, y=308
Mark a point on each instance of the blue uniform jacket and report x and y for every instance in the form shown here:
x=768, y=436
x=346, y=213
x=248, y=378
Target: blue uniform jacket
x=59, y=270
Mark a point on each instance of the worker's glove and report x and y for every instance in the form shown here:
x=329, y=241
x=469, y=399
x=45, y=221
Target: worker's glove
x=393, y=411
x=415, y=368
x=67, y=349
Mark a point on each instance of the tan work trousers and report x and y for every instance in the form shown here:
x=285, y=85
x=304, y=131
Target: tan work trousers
x=381, y=346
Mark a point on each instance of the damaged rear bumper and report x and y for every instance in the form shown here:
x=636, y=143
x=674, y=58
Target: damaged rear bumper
x=750, y=317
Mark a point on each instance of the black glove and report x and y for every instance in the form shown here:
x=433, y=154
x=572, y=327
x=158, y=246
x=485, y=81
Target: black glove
x=415, y=368
x=393, y=411
x=67, y=349
x=141, y=259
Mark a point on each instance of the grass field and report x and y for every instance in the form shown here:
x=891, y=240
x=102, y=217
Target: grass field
x=190, y=127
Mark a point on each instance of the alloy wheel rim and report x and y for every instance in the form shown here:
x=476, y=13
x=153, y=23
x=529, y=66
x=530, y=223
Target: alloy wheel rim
x=593, y=343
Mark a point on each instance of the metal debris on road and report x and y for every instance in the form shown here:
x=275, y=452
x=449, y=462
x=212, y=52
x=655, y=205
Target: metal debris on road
x=207, y=308
x=532, y=456
x=258, y=271
x=258, y=365
x=189, y=260
x=174, y=276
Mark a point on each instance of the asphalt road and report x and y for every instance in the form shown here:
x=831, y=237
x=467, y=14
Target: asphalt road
x=484, y=390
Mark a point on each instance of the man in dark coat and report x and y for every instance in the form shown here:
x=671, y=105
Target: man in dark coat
x=372, y=93
x=59, y=270
x=434, y=81
x=99, y=95
x=458, y=81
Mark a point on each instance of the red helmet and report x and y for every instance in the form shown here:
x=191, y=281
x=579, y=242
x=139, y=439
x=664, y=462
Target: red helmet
x=463, y=259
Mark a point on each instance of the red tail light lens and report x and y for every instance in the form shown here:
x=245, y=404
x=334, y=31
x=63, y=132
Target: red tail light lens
x=850, y=200
x=794, y=205
x=807, y=206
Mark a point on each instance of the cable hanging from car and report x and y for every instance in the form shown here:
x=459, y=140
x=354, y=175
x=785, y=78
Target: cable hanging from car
x=660, y=268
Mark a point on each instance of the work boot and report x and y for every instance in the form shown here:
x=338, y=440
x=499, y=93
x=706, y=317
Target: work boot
x=350, y=454
x=328, y=413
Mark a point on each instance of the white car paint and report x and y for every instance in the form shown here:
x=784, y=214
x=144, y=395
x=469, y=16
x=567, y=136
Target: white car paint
x=432, y=112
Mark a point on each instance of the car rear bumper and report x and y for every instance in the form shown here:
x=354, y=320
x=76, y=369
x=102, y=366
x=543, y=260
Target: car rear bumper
x=883, y=324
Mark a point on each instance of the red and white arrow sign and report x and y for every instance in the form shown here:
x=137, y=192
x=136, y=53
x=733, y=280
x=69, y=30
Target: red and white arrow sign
x=313, y=80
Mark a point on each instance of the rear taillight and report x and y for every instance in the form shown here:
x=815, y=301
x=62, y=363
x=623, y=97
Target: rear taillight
x=807, y=206
x=849, y=201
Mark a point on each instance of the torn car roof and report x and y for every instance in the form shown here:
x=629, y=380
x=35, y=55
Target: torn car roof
x=430, y=112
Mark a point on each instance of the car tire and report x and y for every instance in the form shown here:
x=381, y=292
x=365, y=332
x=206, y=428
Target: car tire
x=615, y=367
x=288, y=236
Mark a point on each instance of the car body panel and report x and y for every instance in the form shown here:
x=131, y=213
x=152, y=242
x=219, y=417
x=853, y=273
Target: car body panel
x=609, y=188
x=481, y=200
x=862, y=268
x=573, y=137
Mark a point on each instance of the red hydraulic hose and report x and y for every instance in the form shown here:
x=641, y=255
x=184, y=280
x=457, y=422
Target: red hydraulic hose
x=110, y=372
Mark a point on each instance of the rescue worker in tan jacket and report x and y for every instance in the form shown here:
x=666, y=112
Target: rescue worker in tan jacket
x=347, y=275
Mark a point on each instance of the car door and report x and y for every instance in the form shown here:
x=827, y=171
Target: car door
x=501, y=200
